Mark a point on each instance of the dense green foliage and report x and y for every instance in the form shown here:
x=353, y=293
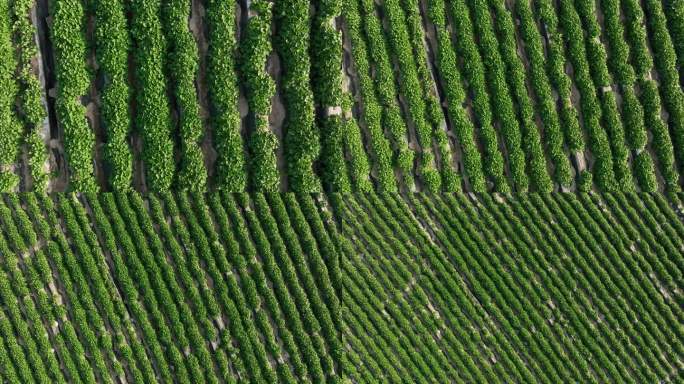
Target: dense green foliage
x=184, y=287
x=343, y=96
x=524, y=288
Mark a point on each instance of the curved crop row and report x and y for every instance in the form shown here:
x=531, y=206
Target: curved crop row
x=326, y=80
x=410, y=88
x=222, y=83
x=112, y=48
x=546, y=107
x=447, y=67
x=153, y=114
x=381, y=158
x=31, y=108
x=473, y=68
x=182, y=60
x=68, y=39
x=301, y=138
x=255, y=48
x=10, y=128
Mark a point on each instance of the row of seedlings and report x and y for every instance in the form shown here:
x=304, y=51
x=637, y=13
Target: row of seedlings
x=562, y=84
x=541, y=85
x=409, y=87
x=104, y=295
x=450, y=179
x=515, y=73
x=218, y=265
x=153, y=113
x=217, y=299
x=569, y=23
x=10, y=127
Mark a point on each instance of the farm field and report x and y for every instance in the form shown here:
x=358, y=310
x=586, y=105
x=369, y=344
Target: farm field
x=332, y=95
x=167, y=288
x=343, y=288
x=546, y=288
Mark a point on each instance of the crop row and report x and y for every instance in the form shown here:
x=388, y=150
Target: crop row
x=29, y=98
x=10, y=128
x=73, y=81
x=112, y=47
x=182, y=60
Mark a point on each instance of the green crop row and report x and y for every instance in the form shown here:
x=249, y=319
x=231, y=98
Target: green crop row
x=447, y=67
x=255, y=49
x=665, y=60
x=642, y=61
x=573, y=36
x=385, y=89
x=450, y=179
x=300, y=134
x=153, y=114
x=112, y=48
x=10, y=128
x=515, y=73
x=73, y=81
x=222, y=82
x=502, y=104
x=29, y=98
x=326, y=79
x=182, y=60
x=410, y=88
